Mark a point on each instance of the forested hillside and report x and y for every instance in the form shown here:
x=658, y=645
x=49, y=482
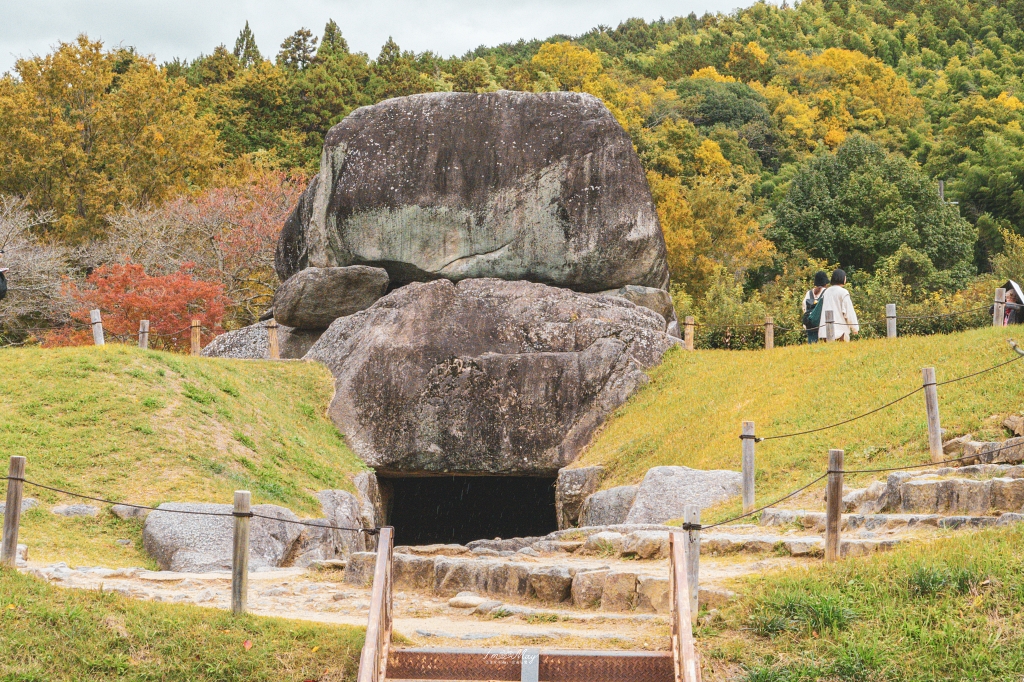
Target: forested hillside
x=777, y=141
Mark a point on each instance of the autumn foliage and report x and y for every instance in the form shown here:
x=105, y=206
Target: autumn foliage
x=125, y=294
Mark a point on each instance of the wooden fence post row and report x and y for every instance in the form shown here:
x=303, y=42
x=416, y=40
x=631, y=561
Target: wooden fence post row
x=688, y=332
x=240, y=553
x=931, y=406
x=747, y=441
x=273, y=346
x=691, y=516
x=890, y=320
x=12, y=512
x=96, y=320
x=999, y=309
x=197, y=338
x=833, y=504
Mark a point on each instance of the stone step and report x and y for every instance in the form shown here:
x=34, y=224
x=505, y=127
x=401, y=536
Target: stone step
x=815, y=520
x=644, y=590
x=792, y=545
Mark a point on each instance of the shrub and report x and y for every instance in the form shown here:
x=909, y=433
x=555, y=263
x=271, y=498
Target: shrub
x=125, y=294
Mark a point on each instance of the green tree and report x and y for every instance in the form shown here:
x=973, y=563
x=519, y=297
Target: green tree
x=246, y=51
x=297, y=50
x=396, y=74
x=333, y=44
x=862, y=204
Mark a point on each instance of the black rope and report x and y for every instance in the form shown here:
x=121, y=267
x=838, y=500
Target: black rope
x=846, y=421
x=968, y=376
x=370, y=531
x=933, y=464
x=761, y=509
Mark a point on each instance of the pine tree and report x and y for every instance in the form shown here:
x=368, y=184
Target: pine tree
x=333, y=43
x=246, y=50
x=297, y=50
x=389, y=53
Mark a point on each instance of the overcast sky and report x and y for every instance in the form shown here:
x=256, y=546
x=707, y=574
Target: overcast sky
x=186, y=28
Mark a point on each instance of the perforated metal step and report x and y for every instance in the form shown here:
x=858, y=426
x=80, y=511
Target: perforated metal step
x=406, y=665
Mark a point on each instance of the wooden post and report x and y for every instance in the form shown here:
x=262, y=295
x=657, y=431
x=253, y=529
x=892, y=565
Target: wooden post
x=769, y=333
x=197, y=338
x=931, y=406
x=999, y=308
x=688, y=332
x=143, y=333
x=272, y=345
x=747, y=441
x=12, y=512
x=240, y=553
x=830, y=326
x=833, y=504
x=96, y=320
x=890, y=320
x=691, y=516
x=684, y=654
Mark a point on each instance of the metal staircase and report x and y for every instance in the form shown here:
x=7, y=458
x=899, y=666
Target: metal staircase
x=379, y=662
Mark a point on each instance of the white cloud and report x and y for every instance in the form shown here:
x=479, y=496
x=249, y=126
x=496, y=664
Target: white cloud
x=186, y=28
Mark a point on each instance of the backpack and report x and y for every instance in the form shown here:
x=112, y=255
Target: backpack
x=3, y=286
x=812, y=318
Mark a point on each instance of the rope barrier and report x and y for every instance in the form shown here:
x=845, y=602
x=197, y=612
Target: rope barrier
x=778, y=327
x=771, y=504
x=369, y=531
x=845, y=421
x=854, y=471
x=879, y=409
x=968, y=376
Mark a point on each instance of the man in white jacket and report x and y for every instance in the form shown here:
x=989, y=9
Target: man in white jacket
x=837, y=299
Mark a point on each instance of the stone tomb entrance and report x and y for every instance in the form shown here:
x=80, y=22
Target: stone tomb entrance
x=459, y=509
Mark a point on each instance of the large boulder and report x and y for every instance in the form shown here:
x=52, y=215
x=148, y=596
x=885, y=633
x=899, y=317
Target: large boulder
x=658, y=300
x=485, y=376
x=202, y=542
x=315, y=297
x=250, y=343
x=667, y=490
x=571, y=489
x=515, y=185
x=322, y=540
x=608, y=507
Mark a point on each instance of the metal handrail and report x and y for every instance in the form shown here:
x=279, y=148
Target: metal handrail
x=373, y=660
x=684, y=654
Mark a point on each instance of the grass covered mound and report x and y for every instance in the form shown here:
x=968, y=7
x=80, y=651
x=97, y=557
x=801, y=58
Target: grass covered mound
x=951, y=609
x=690, y=413
x=57, y=634
x=149, y=427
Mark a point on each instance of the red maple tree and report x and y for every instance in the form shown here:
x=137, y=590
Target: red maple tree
x=125, y=294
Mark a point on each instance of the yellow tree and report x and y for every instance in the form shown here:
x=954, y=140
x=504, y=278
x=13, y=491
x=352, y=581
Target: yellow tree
x=84, y=131
x=709, y=223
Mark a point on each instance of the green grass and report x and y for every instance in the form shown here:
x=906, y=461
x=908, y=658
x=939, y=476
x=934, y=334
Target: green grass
x=56, y=634
x=690, y=413
x=150, y=427
x=952, y=609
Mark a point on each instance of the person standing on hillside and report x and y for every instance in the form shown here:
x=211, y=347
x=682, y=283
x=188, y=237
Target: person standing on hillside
x=837, y=299
x=811, y=299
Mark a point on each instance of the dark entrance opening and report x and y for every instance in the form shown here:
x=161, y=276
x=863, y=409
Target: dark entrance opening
x=458, y=509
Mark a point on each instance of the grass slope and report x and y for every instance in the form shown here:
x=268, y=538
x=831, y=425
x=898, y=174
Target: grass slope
x=149, y=427
x=56, y=634
x=952, y=609
x=690, y=413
